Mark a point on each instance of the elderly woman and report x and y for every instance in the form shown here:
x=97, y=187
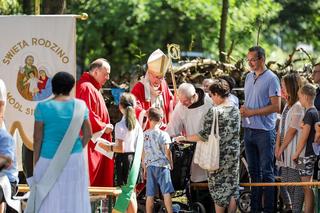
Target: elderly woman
x=224, y=182
x=60, y=182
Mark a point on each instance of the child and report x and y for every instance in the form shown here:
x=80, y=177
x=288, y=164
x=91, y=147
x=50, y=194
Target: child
x=287, y=140
x=304, y=155
x=157, y=160
x=127, y=134
x=33, y=83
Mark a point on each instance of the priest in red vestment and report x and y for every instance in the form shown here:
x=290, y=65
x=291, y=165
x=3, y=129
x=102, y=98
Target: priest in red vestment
x=152, y=90
x=101, y=168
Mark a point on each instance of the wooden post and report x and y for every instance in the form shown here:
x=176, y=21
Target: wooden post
x=37, y=7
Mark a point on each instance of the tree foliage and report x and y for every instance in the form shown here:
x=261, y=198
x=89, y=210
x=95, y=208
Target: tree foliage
x=8, y=7
x=298, y=21
x=127, y=31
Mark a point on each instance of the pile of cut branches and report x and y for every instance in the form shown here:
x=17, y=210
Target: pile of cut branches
x=195, y=71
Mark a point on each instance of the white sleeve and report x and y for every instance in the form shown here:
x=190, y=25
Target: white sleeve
x=175, y=125
x=296, y=116
x=119, y=131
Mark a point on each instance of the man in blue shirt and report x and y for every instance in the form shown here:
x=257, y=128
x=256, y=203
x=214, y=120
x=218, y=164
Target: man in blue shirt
x=262, y=102
x=8, y=166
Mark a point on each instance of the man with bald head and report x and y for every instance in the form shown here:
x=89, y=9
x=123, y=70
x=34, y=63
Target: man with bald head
x=101, y=168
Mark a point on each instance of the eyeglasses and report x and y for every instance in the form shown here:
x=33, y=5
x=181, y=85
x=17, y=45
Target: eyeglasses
x=252, y=60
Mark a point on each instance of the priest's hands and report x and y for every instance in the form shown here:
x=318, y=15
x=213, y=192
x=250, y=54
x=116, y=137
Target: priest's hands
x=108, y=128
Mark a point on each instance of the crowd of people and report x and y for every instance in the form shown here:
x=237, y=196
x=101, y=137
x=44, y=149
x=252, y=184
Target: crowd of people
x=67, y=131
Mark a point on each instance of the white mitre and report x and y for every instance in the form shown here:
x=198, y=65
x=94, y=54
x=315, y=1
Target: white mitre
x=158, y=63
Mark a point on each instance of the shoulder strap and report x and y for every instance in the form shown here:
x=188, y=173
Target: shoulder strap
x=215, y=124
x=123, y=200
x=61, y=157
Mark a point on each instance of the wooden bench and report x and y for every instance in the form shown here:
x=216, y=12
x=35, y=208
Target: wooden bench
x=95, y=191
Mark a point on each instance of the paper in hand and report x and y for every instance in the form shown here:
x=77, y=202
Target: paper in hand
x=99, y=147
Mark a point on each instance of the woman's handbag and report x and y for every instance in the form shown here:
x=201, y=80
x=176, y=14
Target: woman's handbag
x=207, y=153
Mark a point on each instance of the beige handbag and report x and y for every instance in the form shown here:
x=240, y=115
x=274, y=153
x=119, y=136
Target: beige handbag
x=207, y=153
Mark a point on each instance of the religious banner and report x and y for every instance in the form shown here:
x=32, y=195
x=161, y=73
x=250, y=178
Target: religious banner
x=32, y=50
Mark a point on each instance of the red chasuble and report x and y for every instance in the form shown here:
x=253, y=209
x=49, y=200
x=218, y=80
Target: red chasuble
x=101, y=168
x=143, y=105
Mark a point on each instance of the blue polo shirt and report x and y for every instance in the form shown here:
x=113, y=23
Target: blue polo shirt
x=257, y=93
x=8, y=148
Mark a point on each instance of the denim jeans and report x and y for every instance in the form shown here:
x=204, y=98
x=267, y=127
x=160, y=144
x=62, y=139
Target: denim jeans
x=259, y=147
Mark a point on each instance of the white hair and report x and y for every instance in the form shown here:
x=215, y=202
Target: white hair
x=187, y=90
x=207, y=81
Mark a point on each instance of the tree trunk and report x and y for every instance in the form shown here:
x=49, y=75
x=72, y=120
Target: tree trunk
x=27, y=7
x=53, y=7
x=223, y=30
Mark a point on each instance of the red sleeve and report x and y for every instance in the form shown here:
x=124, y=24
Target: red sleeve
x=88, y=95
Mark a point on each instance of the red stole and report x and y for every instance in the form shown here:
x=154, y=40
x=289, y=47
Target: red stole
x=143, y=105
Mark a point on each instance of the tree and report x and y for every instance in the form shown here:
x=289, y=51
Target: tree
x=9, y=7
x=53, y=7
x=298, y=21
x=223, y=29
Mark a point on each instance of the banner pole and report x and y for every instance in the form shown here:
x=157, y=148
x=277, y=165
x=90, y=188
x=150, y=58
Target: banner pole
x=37, y=7
x=82, y=16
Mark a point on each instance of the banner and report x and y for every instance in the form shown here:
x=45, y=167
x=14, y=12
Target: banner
x=32, y=50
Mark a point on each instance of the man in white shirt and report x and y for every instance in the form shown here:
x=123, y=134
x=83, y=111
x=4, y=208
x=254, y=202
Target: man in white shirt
x=187, y=118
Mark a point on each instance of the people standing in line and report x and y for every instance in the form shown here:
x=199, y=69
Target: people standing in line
x=152, y=90
x=157, y=161
x=304, y=156
x=101, y=168
x=262, y=102
x=288, y=134
x=3, y=101
x=128, y=134
x=60, y=180
x=224, y=182
x=187, y=117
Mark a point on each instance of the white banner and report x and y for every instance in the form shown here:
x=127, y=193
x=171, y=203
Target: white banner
x=32, y=50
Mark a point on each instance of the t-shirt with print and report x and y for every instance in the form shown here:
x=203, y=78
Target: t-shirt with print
x=310, y=118
x=154, y=148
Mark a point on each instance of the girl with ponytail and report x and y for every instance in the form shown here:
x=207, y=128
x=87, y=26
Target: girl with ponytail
x=128, y=134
